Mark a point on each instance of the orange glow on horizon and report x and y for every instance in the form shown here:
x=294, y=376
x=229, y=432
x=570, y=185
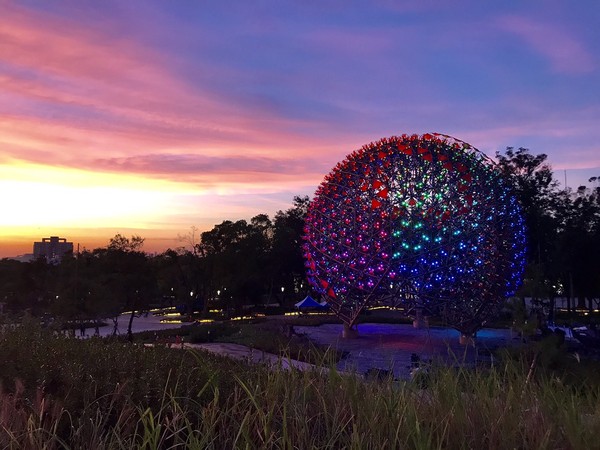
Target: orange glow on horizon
x=88, y=208
x=155, y=241
x=84, y=207
x=58, y=197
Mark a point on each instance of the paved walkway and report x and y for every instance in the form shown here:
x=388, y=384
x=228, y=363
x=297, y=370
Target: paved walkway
x=379, y=346
x=251, y=355
x=390, y=346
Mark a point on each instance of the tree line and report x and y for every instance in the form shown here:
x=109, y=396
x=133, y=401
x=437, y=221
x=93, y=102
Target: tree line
x=260, y=262
x=234, y=264
x=563, y=232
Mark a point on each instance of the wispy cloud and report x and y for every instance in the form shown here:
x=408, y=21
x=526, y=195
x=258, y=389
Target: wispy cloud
x=214, y=170
x=554, y=41
x=186, y=163
x=90, y=84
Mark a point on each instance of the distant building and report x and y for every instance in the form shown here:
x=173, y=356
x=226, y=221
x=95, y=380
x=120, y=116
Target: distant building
x=52, y=248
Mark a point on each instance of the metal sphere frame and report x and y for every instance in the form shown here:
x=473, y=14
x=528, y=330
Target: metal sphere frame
x=426, y=222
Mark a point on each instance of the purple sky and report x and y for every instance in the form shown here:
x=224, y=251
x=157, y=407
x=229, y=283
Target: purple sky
x=168, y=114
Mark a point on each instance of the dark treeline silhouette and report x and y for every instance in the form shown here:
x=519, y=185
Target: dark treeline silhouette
x=260, y=262
x=563, y=230
x=234, y=264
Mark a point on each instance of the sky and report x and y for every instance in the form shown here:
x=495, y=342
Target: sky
x=150, y=117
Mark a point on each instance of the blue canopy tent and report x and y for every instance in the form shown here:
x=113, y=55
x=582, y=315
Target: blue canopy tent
x=310, y=303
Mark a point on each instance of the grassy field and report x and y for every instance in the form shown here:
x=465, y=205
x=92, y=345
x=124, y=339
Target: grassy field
x=58, y=392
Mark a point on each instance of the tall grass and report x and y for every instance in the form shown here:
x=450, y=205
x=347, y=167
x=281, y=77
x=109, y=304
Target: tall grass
x=194, y=400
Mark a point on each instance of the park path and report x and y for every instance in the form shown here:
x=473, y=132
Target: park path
x=251, y=355
x=390, y=347
x=379, y=347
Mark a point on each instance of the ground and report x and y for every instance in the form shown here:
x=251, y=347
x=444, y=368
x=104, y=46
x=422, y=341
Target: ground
x=390, y=346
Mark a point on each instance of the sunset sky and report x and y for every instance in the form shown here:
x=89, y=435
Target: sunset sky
x=149, y=117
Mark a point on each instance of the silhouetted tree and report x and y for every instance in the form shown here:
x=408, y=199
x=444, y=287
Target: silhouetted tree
x=121, y=243
x=127, y=275
x=237, y=257
x=578, y=245
x=287, y=246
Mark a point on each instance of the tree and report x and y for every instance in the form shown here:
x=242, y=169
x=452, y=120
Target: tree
x=563, y=229
x=236, y=257
x=81, y=290
x=37, y=285
x=26, y=285
x=181, y=278
x=121, y=243
x=128, y=275
x=579, y=243
x=287, y=254
x=534, y=185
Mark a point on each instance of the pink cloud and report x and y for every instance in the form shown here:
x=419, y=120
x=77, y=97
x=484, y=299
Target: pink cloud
x=81, y=96
x=210, y=171
x=118, y=97
x=186, y=163
x=559, y=45
x=204, y=170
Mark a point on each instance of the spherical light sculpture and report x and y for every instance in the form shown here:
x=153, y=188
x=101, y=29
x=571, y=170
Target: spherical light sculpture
x=423, y=221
